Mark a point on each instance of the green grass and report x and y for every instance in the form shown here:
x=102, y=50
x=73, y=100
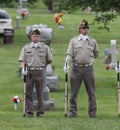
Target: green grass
x=106, y=81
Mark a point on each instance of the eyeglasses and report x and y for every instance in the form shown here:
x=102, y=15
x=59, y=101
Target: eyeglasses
x=85, y=27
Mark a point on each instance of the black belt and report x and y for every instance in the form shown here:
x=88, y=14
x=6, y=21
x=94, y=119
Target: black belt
x=82, y=65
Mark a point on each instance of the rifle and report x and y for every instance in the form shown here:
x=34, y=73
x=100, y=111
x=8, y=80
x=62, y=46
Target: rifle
x=24, y=101
x=118, y=82
x=66, y=93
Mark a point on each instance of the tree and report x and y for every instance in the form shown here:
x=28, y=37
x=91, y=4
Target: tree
x=7, y=2
x=103, y=20
x=54, y=5
x=106, y=10
x=96, y=5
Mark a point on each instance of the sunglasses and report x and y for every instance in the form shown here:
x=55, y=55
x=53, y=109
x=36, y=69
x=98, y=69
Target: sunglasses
x=85, y=27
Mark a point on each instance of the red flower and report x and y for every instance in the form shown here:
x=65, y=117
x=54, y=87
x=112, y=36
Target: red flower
x=16, y=99
x=107, y=67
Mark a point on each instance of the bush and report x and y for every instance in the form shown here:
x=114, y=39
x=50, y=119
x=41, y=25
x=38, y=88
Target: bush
x=48, y=3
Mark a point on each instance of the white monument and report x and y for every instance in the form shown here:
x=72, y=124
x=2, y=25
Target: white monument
x=113, y=54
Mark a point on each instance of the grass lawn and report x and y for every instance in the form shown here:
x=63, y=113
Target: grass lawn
x=106, y=81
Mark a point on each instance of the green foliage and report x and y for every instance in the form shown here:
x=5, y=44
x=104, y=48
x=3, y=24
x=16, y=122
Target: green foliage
x=103, y=6
x=48, y=3
x=38, y=5
x=96, y=5
x=107, y=5
x=14, y=3
x=56, y=5
x=103, y=20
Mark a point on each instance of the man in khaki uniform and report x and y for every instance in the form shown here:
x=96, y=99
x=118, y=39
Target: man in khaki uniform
x=36, y=55
x=81, y=51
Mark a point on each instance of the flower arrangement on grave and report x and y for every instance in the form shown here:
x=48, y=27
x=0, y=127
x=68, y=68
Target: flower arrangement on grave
x=16, y=100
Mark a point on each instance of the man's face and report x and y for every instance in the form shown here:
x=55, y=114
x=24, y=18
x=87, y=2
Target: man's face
x=35, y=38
x=84, y=30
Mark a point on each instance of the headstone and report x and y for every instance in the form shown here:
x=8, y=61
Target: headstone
x=113, y=54
x=53, y=83
x=51, y=79
x=107, y=59
x=17, y=22
x=8, y=36
x=22, y=8
x=46, y=33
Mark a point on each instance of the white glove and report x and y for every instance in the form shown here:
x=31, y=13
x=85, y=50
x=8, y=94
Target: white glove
x=117, y=69
x=66, y=69
x=24, y=72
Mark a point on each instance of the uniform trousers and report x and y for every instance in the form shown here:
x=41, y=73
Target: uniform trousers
x=35, y=77
x=86, y=74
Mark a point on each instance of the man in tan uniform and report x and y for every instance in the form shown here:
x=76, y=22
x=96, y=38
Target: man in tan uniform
x=36, y=55
x=81, y=51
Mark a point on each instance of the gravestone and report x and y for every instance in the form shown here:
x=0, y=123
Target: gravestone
x=22, y=8
x=107, y=59
x=18, y=22
x=51, y=79
x=113, y=54
x=8, y=36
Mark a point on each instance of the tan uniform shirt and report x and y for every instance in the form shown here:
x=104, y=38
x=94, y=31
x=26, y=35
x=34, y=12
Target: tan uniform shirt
x=35, y=56
x=82, y=52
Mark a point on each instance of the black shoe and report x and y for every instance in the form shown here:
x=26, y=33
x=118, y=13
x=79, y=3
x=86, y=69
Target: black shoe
x=72, y=116
x=39, y=114
x=30, y=114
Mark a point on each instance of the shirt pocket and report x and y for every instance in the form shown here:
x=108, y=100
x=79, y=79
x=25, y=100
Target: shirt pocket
x=77, y=48
x=29, y=56
x=90, y=50
x=42, y=56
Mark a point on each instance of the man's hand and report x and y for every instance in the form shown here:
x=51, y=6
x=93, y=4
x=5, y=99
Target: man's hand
x=66, y=69
x=24, y=72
